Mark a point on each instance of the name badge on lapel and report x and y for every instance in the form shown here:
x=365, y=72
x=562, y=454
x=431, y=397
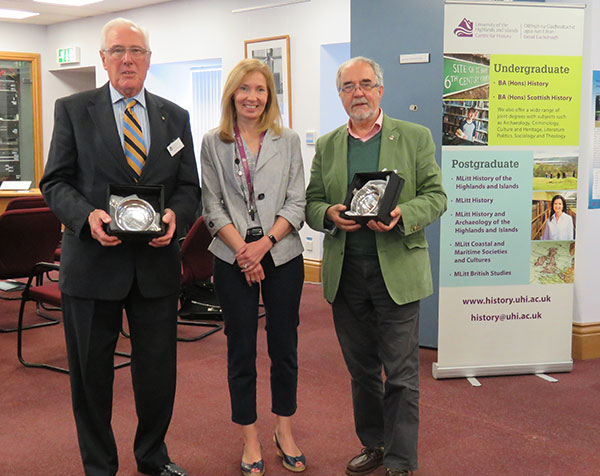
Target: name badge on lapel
x=175, y=146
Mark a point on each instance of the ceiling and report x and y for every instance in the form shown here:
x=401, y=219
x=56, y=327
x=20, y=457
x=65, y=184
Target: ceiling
x=49, y=13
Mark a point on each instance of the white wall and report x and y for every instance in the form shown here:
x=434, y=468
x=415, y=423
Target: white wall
x=332, y=113
x=161, y=76
x=22, y=38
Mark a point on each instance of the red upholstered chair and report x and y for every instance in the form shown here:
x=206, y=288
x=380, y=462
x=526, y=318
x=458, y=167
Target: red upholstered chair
x=198, y=300
x=27, y=236
x=31, y=202
x=26, y=202
x=45, y=293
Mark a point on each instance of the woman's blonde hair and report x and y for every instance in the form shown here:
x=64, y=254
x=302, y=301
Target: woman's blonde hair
x=271, y=117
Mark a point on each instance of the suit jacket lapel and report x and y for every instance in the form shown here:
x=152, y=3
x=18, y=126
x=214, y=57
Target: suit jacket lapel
x=101, y=112
x=339, y=185
x=268, y=149
x=158, y=118
x=226, y=154
x=390, y=139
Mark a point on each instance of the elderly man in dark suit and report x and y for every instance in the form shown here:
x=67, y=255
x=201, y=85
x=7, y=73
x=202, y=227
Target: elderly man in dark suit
x=102, y=137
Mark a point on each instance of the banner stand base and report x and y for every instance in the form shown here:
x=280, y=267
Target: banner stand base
x=440, y=372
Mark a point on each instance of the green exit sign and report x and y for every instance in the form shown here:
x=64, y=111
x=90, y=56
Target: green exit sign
x=68, y=55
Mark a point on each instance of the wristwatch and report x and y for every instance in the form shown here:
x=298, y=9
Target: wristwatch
x=272, y=238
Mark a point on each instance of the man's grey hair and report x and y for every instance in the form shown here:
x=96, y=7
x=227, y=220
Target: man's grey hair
x=122, y=22
x=359, y=59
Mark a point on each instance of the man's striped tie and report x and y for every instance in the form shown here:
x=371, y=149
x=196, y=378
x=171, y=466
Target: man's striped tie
x=135, y=147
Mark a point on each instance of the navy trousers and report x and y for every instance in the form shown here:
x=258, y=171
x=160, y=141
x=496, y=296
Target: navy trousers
x=281, y=290
x=92, y=328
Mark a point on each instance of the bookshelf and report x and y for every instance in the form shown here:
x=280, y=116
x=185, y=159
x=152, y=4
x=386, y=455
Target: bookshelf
x=540, y=212
x=455, y=111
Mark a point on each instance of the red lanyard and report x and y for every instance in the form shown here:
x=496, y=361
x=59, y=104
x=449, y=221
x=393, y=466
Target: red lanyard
x=242, y=151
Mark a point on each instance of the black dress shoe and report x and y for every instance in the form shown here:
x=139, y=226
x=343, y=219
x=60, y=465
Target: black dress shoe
x=367, y=461
x=169, y=469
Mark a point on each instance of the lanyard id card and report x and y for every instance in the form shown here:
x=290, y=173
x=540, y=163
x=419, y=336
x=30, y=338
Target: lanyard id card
x=244, y=159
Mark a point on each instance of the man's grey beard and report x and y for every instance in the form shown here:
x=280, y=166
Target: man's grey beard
x=362, y=116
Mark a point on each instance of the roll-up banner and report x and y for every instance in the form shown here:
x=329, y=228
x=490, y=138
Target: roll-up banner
x=510, y=152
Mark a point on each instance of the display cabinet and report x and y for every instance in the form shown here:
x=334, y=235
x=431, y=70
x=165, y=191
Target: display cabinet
x=20, y=121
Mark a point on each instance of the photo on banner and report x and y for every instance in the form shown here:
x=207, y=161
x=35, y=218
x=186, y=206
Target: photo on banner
x=466, y=99
x=594, y=180
x=510, y=152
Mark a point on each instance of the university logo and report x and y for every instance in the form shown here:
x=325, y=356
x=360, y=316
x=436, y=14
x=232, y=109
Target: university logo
x=464, y=29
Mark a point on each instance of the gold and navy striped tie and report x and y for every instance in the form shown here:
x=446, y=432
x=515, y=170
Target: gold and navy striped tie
x=135, y=148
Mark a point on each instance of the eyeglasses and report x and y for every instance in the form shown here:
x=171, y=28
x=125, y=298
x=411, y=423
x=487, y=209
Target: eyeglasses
x=118, y=52
x=365, y=86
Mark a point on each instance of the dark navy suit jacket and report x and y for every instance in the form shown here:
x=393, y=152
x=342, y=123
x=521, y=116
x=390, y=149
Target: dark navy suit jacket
x=85, y=156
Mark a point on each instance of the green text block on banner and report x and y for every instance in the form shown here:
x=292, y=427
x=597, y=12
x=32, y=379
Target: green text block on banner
x=462, y=75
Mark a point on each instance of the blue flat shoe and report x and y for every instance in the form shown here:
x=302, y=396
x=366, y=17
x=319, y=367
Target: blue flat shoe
x=254, y=469
x=290, y=462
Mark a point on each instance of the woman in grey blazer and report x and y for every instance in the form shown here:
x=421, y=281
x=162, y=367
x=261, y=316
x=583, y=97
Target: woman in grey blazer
x=253, y=205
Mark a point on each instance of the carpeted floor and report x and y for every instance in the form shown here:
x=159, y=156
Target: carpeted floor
x=514, y=426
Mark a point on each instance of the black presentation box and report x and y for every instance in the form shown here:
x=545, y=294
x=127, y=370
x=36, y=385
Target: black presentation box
x=150, y=194
x=387, y=203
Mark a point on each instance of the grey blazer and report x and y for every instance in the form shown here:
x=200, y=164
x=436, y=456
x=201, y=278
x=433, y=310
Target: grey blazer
x=278, y=189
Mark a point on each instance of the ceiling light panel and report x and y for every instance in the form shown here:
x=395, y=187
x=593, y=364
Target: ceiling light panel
x=16, y=14
x=69, y=3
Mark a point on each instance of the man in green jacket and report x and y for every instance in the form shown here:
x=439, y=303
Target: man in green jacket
x=375, y=275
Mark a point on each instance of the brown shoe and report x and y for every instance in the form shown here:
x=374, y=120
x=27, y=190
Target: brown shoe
x=368, y=460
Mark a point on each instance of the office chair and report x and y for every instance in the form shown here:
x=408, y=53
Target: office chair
x=31, y=202
x=26, y=202
x=198, y=299
x=46, y=293
x=27, y=236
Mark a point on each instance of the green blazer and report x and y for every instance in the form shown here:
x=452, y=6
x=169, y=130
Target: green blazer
x=409, y=149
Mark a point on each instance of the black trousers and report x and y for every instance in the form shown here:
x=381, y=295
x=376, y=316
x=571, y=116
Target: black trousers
x=92, y=329
x=281, y=290
x=375, y=333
